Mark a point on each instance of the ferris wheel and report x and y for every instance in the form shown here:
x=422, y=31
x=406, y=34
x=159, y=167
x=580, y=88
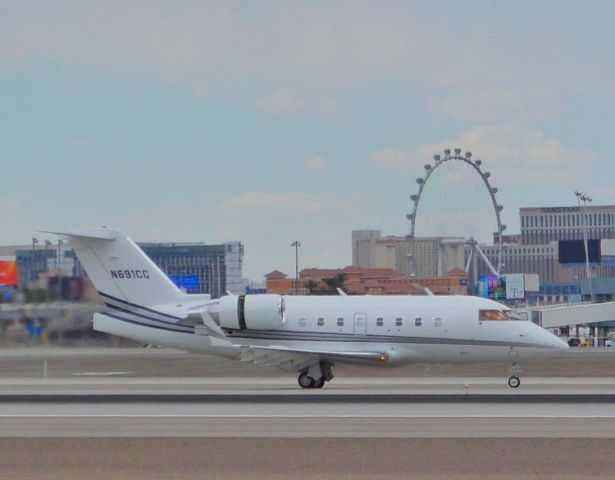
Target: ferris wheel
x=474, y=167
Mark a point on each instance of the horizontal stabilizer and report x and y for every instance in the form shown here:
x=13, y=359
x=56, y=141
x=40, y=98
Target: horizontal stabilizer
x=95, y=234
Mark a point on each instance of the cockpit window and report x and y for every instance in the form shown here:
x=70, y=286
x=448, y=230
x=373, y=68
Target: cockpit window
x=490, y=315
x=514, y=316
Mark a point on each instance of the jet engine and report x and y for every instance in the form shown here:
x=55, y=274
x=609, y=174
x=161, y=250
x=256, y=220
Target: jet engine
x=251, y=312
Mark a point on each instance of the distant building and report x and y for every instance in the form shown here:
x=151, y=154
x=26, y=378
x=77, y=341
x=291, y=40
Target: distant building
x=535, y=249
x=542, y=225
x=200, y=268
x=195, y=267
x=421, y=256
x=278, y=282
x=32, y=262
x=370, y=281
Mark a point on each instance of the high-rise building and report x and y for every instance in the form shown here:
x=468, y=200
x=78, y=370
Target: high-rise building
x=542, y=225
x=200, y=268
x=423, y=256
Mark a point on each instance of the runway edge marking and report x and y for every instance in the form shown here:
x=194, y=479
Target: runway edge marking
x=303, y=398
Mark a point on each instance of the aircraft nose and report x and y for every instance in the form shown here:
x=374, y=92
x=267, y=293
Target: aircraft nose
x=555, y=342
x=549, y=340
x=560, y=344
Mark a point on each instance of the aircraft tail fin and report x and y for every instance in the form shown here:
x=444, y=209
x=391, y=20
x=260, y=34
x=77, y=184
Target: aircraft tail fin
x=120, y=269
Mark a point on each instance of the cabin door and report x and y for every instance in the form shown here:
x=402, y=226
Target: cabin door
x=360, y=323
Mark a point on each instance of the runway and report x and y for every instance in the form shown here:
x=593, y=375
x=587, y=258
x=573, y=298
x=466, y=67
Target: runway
x=125, y=414
x=386, y=407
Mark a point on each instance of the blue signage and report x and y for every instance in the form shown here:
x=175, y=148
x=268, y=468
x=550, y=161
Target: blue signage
x=187, y=282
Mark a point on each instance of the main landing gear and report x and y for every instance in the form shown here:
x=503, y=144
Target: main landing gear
x=316, y=376
x=514, y=381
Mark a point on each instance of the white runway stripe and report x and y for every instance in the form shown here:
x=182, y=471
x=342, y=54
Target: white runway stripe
x=167, y=416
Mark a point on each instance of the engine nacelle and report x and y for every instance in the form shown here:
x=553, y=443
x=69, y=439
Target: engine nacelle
x=252, y=312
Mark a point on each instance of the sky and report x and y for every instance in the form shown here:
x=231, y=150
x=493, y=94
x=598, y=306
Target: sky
x=269, y=122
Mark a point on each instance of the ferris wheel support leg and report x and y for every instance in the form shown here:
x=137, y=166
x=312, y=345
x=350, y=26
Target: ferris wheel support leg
x=468, y=263
x=489, y=265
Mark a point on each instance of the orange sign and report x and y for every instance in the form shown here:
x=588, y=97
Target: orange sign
x=8, y=273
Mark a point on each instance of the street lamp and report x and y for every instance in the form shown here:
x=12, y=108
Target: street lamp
x=59, y=259
x=583, y=212
x=296, y=244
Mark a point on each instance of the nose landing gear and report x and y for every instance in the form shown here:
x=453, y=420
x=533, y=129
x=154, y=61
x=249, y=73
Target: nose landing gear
x=514, y=381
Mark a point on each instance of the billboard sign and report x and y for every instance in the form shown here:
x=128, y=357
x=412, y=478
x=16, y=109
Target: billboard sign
x=572, y=252
x=8, y=273
x=186, y=282
x=491, y=286
x=515, y=286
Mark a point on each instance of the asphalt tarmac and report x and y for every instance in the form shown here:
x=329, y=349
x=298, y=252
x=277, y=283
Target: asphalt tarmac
x=158, y=362
x=154, y=413
x=305, y=458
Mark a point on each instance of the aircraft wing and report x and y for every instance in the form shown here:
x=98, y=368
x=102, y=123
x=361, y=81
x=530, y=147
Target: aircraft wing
x=282, y=356
x=293, y=359
x=355, y=355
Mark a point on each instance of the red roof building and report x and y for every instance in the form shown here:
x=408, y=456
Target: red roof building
x=367, y=281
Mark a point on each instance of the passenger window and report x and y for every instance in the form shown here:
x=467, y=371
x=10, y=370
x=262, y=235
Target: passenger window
x=340, y=321
x=302, y=322
x=418, y=321
x=398, y=322
x=437, y=322
x=321, y=322
x=379, y=321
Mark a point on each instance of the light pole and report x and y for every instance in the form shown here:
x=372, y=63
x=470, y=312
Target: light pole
x=59, y=260
x=296, y=244
x=583, y=212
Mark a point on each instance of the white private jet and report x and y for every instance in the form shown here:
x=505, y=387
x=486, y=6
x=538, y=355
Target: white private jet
x=304, y=334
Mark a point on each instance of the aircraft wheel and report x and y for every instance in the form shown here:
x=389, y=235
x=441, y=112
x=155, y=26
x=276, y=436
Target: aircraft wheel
x=319, y=383
x=514, y=382
x=305, y=381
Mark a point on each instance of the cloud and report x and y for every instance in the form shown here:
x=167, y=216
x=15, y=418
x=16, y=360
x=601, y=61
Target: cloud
x=279, y=103
x=287, y=201
x=284, y=102
x=315, y=164
x=9, y=202
x=268, y=223
x=392, y=159
x=338, y=44
x=499, y=105
x=79, y=141
x=17, y=220
x=516, y=155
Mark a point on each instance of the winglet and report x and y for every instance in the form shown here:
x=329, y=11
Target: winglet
x=341, y=292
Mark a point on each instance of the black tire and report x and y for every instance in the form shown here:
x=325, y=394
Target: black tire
x=305, y=381
x=514, y=382
x=319, y=383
